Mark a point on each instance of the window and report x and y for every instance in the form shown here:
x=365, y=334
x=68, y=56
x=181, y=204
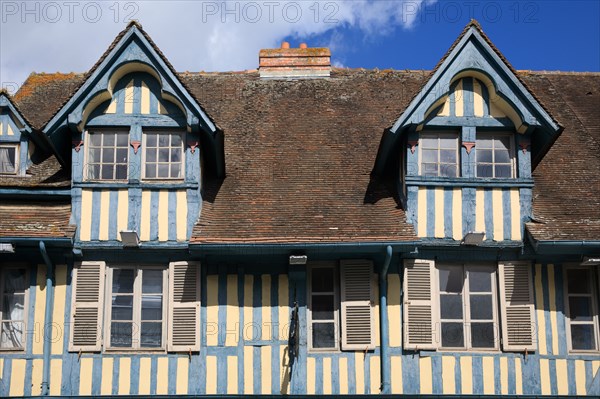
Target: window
x=9, y=158
x=13, y=293
x=439, y=154
x=468, y=310
x=137, y=307
x=152, y=307
x=163, y=155
x=495, y=156
x=107, y=155
x=455, y=306
x=582, y=310
x=341, y=305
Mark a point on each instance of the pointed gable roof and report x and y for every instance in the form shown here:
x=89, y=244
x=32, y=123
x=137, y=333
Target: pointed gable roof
x=7, y=101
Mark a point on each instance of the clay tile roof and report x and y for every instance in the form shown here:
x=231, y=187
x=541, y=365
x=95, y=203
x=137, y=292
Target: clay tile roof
x=36, y=219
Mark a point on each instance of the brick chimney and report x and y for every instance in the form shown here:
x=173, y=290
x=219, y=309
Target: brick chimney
x=295, y=63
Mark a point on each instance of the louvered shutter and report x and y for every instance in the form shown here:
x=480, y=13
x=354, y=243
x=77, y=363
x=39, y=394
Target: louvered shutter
x=184, y=306
x=87, y=305
x=516, y=304
x=419, y=305
x=356, y=303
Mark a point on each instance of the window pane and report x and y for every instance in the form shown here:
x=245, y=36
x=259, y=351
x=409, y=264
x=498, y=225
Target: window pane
x=163, y=155
x=107, y=172
x=503, y=171
x=152, y=307
x=429, y=142
x=122, y=307
x=323, y=335
x=122, y=140
x=94, y=171
x=151, y=171
x=429, y=169
x=483, y=143
x=448, y=156
x=163, y=140
x=150, y=155
x=151, y=335
x=121, y=335
x=151, y=140
x=502, y=142
x=163, y=170
x=501, y=156
x=322, y=279
x=429, y=156
x=123, y=281
x=451, y=306
x=108, y=155
x=322, y=307
x=580, y=308
x=121, y=172
x=152, y=281
x=448, y=170
x=175, y=171
x=13, y=307
x=109, y=139
x=481, y=307
x=14, y=281
x=175, y=155
x=447, y=142
x=485, y=170
x=175, y=140
x=579, y=281
x=95, y=140
x=480, y=281
x=451, y=280
x=453, y=335
x=482, y=335
x=483, y=155
x=122, y=154
x=94, y=155
x=582, y=337
x=12, y=335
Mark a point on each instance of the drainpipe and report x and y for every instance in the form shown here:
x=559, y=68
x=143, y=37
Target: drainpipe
x=47, y=319
x=383, y=325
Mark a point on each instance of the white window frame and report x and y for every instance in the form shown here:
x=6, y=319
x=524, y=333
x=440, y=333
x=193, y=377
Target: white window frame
x=17, y=148
x=336, y=305
x=183, y=154
x=468, y=345
x=3, y=270
x=137, y=308
x=593, y=295
x=511, y=153
x=437, y=135
x=88, y=148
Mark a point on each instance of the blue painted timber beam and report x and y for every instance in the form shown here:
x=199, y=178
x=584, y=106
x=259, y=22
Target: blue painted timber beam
x=48, y=319
x=383, y=324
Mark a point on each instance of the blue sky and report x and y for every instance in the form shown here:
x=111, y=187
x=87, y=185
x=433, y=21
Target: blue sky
x=207, y=35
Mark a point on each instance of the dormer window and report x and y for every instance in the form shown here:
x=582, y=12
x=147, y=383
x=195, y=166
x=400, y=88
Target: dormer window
x=163, y=155
x=439, y=154
x=495, y=155
x=9, y=159
x=107, y=155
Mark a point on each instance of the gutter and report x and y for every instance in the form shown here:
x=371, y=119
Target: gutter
x=384, y=324
x=553, y=247
x=47, y=319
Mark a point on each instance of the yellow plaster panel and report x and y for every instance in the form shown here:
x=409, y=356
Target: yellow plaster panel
x=124, y=375
x=448, y=382
x=211, y=375
x=284, y=307
x=163, y=215
x=375, y=365
x=37, y=368
x=359, y=370
x=457, y=228
x=105, y=212
x=580, y=377
x=375, y=288
x=145, y=216
x=518, y=377
x=504, y=376
x=343, y=373
x=112, y=108
x=562, y=375
x=265, y=369
x=439, y=212
x=145, y=106
x=552, y=308
x=498, y=214
x=162, y=375
x=232, y=375
x=266, y=326
x=394, y=311
x=40, y=308
x=129, y=98
x=539, y=309
x=426, y=377
x=122, y=211
x=311, y=370
x=515, y=215
x=466, y=375
x=396, y=366
x=545, y=377
x=488, y=375
x=10, y=130
x=107, y=376
x=145, y=376
x=86, y=215
x=55, y=376
x=248, y=331
x=327, y=386
x=183, y=366
x=17, y=377
x=1, y=129
x=86, y=366
x=477, y=99
x=248, y=370
x=212, y=310
x=181, y=215
x=422, y=212
x=445, y=111
x=58, y=313
x=233, y=312
x=479, y=211
x=459, y=99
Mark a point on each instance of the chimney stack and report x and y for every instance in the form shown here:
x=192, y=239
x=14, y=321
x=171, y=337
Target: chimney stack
x=295, y=63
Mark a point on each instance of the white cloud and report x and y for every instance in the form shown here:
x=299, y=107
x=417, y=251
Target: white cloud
x=195, y=35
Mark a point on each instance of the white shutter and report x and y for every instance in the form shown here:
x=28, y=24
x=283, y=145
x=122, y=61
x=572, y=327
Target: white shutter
x=87, y=306
x=184, y=306
x=516, y=304
x=357, y=304
x=419, y=305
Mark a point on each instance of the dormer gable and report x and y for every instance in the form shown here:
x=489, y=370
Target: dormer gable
x=15, y=136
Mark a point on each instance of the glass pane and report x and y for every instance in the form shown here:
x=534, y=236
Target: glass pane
x=322, y=279
x=152, y=307
x=163, y=155
x=483, y=155
x=582, y=337
x=175, y=171
x=14, y=281
x=322, y=307
x=163, y=140
x=453, y=335
x=151, y=140
x=121, y=335
x=429, y=142
x=151, y=335
x=482, y=335
x=122, y=307
x=122, y=140
x=323, y=335
x=485, y=170
x=121, y=172
x=481, y=307
x=451, y=279
x=501, y=156
x=451, y=306
x=107, y=172
x=95, y=140
x=152, y=281
x=175, y=155
x=447, y=142
x=175, y=140
x=94, y=171
x=429, y=169
x=578, y=281
x=580, y=308
x=122, y=154
x=13, y=307
x=108, y=155
x=503, y=171
x=109, y=139
x=123, y=281
x=480, y=281
x=163, y=170
x=502, y=143
x=150, y=155
x=151, y=171
x=483, y=143
x=448, y=156
x=429, y=156
x=94, y=155
x=12, y=335
x=448, y=170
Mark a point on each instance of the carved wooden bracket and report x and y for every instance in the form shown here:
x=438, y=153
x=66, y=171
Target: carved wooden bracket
x=193, y=145
x=136, y=145
x=412, y=144
x=524, y=144
x=77, y=144
x=468, y=145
